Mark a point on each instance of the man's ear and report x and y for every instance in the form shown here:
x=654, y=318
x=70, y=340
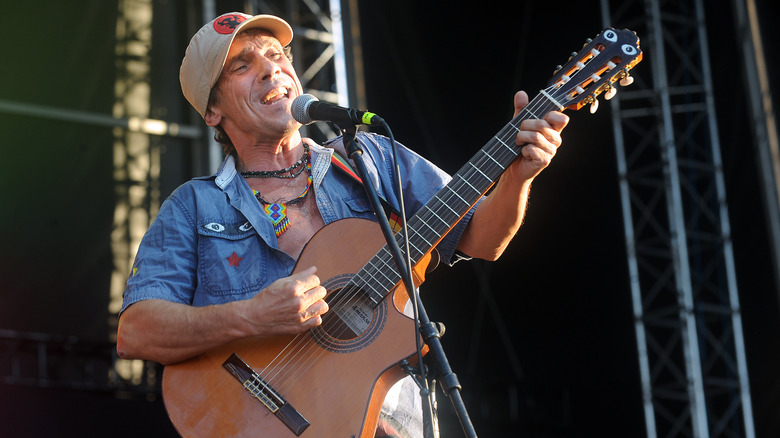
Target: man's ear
x=212, y=118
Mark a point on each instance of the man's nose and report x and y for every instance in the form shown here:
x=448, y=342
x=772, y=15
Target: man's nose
x=269, y=68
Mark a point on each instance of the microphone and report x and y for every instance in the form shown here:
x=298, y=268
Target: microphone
x=307, y=109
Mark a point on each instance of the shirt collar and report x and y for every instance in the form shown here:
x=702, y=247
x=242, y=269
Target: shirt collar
x=226, y=172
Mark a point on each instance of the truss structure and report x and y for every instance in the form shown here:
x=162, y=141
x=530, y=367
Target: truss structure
x=683, y=281
x=325, y=65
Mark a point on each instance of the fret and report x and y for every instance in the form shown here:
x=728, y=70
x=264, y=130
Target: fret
x=501, y=165
x=415, y=251
x=532, y=113
x=472, y=187
x=415, y=233
x=383, y=272
x=386, y=265
x=437, y=229
x=443, y=209
x=437, y=198
x=363, y=280
x=509, y=147
x=413, y=245
x=378, y=264
x=429, y=226
x=375, y=294
x=480, y=172
x=449, y=189
x=437, y=216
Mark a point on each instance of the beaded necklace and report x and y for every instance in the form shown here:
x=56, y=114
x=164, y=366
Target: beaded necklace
x=277, y=211
x=288, y=172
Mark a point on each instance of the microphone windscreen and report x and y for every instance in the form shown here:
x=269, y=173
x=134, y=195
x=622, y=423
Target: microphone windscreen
x=300, y=108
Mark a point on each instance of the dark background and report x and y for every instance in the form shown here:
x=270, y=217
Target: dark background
x=554, y=357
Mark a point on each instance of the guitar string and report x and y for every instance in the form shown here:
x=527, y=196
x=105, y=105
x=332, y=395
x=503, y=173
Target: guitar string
x=300, y=344
x=347, y=296
x=535, y=106
x=303, y=341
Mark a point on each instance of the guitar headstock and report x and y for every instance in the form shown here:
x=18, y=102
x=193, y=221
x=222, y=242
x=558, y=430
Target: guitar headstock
x=593, y=70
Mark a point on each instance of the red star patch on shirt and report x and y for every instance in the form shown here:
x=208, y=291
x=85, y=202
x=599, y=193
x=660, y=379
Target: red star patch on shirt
x=234, y=259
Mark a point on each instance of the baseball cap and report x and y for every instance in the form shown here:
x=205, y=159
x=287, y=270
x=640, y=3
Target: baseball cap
x=208, y=49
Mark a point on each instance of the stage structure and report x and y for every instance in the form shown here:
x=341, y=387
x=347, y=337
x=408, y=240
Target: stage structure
x=325, y=67
x=154, y=133
x=686, y=307
x=678, y=240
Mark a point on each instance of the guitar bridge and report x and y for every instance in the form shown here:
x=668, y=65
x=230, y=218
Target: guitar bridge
x=262, y=391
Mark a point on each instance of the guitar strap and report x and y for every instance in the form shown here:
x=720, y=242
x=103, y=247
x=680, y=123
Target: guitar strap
x=393, y=216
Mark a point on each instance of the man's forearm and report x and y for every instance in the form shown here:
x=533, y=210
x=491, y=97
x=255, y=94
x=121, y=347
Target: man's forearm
x=168, y=332
x=496, y=220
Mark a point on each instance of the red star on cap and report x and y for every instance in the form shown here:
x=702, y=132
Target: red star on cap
x=234, y=259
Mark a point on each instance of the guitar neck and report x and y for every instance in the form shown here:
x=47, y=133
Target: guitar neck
x=593, y=70
x=429, y=225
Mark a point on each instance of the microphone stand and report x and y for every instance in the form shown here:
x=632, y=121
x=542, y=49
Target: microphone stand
x=428, y=330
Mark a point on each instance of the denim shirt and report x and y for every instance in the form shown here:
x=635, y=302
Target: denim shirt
x=212, y=243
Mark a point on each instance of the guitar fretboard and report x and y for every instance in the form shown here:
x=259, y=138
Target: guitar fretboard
x=429, y=225
x=589, y=72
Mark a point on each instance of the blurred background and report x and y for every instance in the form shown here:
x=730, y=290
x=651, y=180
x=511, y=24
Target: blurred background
x=640, y=299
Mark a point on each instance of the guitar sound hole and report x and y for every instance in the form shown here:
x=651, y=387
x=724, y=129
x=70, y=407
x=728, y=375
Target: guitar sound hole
x=349, y=316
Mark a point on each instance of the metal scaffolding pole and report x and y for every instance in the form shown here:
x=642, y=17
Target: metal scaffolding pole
x=764, y=127
x=678, y=238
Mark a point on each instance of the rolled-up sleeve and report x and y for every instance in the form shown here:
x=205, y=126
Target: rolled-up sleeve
x=165, y=266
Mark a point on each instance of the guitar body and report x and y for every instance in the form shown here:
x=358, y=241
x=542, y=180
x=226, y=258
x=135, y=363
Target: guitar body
x=336, y=382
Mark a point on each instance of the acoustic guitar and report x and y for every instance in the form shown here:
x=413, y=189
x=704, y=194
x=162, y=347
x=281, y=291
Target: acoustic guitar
x=331, y=381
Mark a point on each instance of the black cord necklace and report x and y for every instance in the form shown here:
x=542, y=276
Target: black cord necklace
x=287, y=173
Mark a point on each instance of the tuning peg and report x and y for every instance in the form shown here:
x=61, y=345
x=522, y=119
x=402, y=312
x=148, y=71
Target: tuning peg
x=594, y=106
x=610, y=93
x=626, y=81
